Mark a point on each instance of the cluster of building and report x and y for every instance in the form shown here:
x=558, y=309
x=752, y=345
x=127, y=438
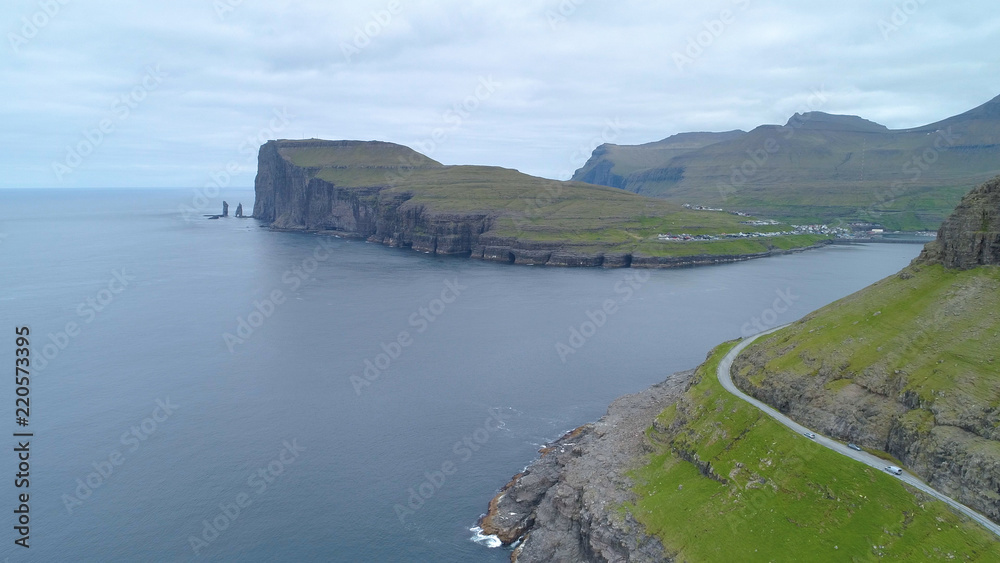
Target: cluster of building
x=799, y=230
x=859, y=230
x=702, y=208
x=820, y=230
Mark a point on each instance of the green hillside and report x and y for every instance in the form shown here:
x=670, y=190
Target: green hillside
x=819, y=168
x=728, y=483
x=586, y=217
x=908, y=368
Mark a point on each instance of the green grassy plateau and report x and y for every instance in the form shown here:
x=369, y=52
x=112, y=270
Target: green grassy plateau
x=531, y=209
x=817, y=168
x=938, y=327
x=727, y=483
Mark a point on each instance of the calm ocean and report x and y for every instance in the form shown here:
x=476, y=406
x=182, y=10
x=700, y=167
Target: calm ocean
x=211, y=390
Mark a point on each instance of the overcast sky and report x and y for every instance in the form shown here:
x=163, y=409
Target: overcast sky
x=184, y=89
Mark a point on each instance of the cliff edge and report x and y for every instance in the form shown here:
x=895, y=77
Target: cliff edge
x=908, y=366
x=393, y=195
x=565, y=505
x=970, y=237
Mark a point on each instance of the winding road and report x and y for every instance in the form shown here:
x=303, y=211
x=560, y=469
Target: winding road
x=725, y=378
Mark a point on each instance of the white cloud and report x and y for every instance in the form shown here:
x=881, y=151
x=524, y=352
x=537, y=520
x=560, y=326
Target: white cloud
x=565, y=68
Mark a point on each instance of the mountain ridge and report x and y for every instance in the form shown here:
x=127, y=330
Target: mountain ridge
x=390, y=194
x=819, y=167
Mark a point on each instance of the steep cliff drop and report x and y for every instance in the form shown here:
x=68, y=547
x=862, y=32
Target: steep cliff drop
x=393, y=195
x=566, y=505
x=970, y=237
x=909, y=365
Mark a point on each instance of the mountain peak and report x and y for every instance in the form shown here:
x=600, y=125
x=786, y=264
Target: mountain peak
x=819, y=120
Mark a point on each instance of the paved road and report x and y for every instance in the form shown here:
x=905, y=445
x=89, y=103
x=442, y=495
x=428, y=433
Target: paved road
x=725, y=378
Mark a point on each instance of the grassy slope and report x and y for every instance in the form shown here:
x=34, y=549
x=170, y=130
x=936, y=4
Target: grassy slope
x=898, y=178
x=939, y=327
x=535, y=209
x=786, y=498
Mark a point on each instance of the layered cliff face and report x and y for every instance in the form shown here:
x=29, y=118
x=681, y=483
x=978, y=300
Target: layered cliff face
x=390, y=194
x=909, y=366
x=291, y=195
x=566, y=505
x=970, y=237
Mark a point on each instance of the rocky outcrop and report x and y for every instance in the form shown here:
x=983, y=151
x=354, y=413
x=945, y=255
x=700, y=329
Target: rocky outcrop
x=566, y=505
x=970, y=237
x=239, y=211
x=290, y=196
x=954, y=449
x=948, y=436
x=225, y=209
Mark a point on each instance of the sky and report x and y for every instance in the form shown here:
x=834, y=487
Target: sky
x=182, y=93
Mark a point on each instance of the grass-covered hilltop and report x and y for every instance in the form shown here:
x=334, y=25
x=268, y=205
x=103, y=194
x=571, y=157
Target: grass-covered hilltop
x=390, y=194
x=910, y=365
x=817, y=168
x=908, y=369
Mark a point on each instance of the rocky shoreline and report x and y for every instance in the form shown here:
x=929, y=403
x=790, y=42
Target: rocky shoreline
x=292, y=198
x=512, y=251
x=566, y=505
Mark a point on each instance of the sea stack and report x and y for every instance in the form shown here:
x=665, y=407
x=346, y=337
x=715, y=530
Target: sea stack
x=225, y=209
x=239, y=211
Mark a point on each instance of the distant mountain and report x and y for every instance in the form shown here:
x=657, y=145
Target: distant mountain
x=817, y=167
x=391, y=194
x=905, y=369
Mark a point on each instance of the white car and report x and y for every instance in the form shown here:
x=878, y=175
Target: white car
x=810, y=435
x=894, y=470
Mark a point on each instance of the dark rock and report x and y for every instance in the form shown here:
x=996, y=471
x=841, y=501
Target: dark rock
x=970, y=237
x=225, y=209
x=239, y=210
x=566, y=505
x=291, y=197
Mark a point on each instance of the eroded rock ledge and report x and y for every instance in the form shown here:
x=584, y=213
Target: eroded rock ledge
x=566, y=505
x=292, y=198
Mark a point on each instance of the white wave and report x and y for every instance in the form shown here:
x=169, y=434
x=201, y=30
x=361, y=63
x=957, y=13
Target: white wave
x=481, y=539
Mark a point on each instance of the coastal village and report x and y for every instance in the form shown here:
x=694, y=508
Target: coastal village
x=853, y=231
